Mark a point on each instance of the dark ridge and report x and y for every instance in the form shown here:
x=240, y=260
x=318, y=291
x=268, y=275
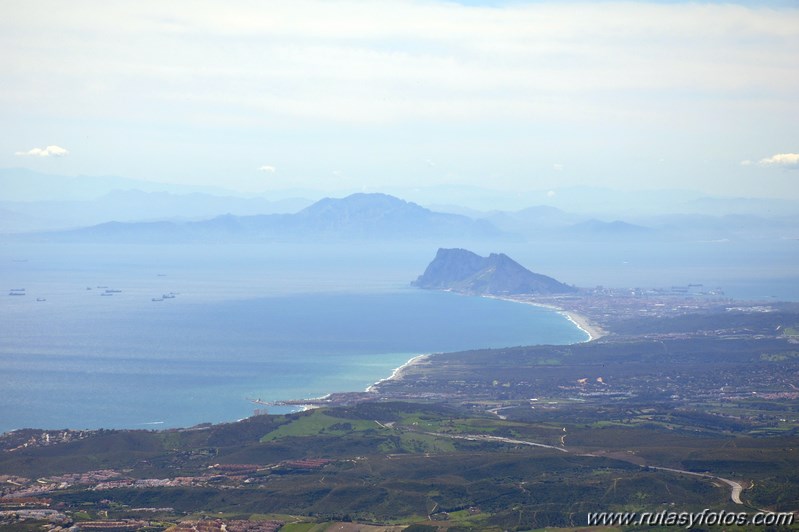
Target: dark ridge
x=460, y=270
x=355, y=217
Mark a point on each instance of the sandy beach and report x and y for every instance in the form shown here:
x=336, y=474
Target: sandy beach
x=581, y=322
x=593, y=330
x=397, y=373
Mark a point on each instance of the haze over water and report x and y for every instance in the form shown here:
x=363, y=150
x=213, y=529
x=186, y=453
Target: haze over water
x=257, y=329
x=283, y=321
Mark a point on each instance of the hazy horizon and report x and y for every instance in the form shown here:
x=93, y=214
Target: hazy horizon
x=350, y=96
x=24, y=186
x=520, y=263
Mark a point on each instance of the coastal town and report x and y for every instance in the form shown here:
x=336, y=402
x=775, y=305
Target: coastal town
x=683, y=360
x=612, y=315
x=28, y=499
x=688, y=364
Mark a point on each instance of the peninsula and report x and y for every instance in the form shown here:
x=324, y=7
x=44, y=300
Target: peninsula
x=688, y=402
x=462, y=271
x=499, y=276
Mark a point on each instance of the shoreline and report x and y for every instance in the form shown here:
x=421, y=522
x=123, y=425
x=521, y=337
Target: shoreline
x=580, y=321
x=592, y=330
x=397, y=373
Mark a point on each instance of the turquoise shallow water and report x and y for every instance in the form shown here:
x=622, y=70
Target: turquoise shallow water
x=286, y=321
x=116, y=362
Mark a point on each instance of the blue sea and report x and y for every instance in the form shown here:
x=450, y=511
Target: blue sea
x=282, y=321
x=72, y=357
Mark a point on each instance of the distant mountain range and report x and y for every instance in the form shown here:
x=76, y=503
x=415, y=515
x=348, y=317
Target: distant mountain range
x=460, y=270
x=358, y=216
x=381, y=215
x=133, y=206
x=616, y=229
x=594, y=202
x=136, y=210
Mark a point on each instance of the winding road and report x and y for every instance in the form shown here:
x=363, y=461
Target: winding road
x=736, y=487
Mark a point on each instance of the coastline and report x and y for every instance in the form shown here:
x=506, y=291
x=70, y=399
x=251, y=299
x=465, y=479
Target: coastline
x=397, y=373
x=580, y=321
x=592, y=330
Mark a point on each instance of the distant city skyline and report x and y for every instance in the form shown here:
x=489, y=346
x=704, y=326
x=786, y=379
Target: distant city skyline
x=351, y=95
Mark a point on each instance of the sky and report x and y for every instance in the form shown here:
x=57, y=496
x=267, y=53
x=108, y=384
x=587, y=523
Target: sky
x=256, y=96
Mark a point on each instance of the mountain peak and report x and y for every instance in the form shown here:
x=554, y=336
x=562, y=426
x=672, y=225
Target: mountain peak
x=362, y=203
x=376, y=214
x=359, y=216
x=460, y=270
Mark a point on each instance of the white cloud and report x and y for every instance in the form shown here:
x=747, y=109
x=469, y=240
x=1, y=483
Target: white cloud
x=505, y=86
x=49, y=151
x=785, y=160
x=551, y=194
x=394, y=60
x=558, y=167
x=746, y=162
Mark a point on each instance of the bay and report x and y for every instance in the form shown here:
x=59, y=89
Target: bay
x=118, y=363
x=283, y=321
